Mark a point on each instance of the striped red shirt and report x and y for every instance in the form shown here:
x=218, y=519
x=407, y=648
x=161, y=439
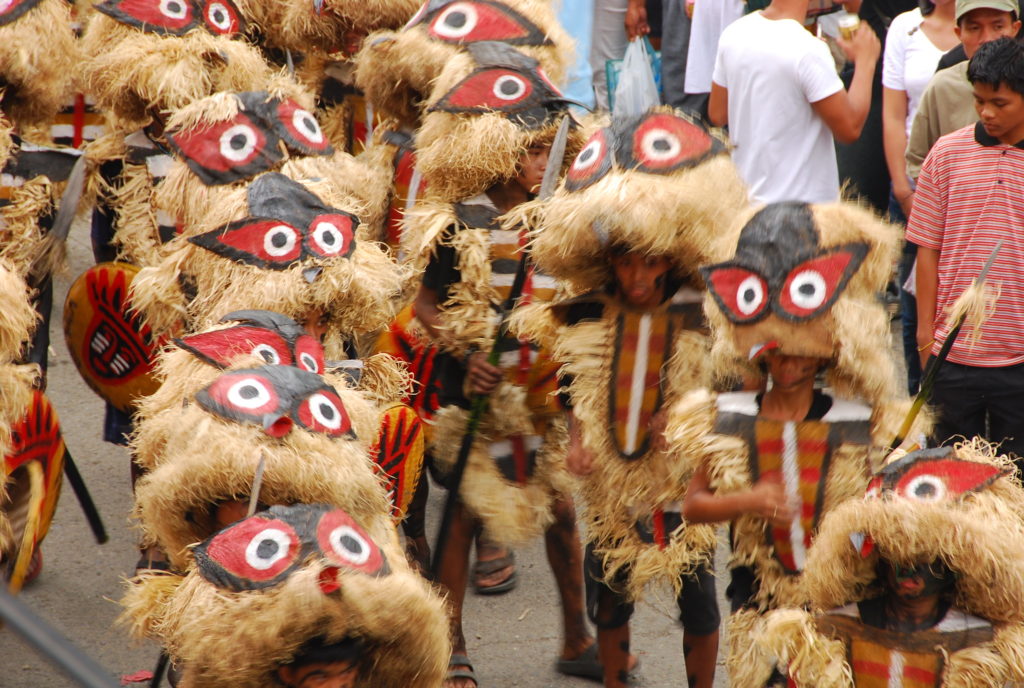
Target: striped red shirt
x=969, y=196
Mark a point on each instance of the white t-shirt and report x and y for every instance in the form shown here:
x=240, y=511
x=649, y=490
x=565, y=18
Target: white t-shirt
x=710, y=18
x=774, y=70
x=910, y=59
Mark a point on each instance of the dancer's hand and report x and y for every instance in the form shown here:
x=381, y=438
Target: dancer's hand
x=483, y=377
x=578, y=458
x=768, y=500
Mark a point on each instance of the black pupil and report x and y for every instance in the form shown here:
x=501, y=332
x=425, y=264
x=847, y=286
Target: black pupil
x=329, y=238
x=587, y=154
x=661, y=145
x=350, y=544
x=249, y=392
x=174, y=8
x=267, y=548
x=278, y=239
x=239, y=141
x=268, y=356
x=327, y=411
x=218, y=16
x=456, y=20
x=309, y=124
x=749, y=295
x=807, y=289
x=925, y=490
x=310, y=363
x=509, y=87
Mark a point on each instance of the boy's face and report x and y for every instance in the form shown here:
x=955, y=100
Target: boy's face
x=1001, y=111
x=531, y=167
x=789, y=372
x=982, y=25
x=641, y=278
x=320, y=675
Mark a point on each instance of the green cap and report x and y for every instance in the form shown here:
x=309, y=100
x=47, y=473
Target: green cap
x=965, y=6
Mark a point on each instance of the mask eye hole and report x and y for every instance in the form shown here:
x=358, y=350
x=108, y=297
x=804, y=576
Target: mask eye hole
x=814, y=285
x=331, y=236
x=740, y=292
x=491, y=89
x=301, y=130
x=592, y=162
x=252, y=554
x=664, y=143
x=222, y=18
x=469, y=22
x=163, y=17
x=227, y=151
x=324, y=412
x=344, y=542
x=309, y=354
x=240, y=397
x=263, y=243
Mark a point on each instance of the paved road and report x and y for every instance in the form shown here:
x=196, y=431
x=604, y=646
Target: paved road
x=513, y=639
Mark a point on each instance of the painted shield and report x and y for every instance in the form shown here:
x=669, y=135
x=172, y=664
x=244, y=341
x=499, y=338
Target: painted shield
x=111, y=347
x=402, y=341
x=398, y=455
x=34, y=470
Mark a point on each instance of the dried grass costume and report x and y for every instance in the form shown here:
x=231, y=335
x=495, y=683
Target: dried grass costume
x=803, y=281
x=35, y=77
x=958, y=506
x=263, y=587
x=471, y=140
x=623, y=365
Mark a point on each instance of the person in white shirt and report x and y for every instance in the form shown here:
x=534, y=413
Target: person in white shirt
x=776, y=87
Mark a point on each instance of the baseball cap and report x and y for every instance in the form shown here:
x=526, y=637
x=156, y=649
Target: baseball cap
x=965, y=6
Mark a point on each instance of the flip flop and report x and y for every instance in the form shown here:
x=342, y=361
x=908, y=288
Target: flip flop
x=486, y=568
x=587, y=665
x=461, y=660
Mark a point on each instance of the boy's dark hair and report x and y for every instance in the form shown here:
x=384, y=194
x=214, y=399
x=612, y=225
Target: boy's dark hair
x=319, y=651
x=999, y=62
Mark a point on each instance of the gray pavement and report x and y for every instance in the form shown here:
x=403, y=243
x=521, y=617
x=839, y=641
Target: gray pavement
x=513, y=639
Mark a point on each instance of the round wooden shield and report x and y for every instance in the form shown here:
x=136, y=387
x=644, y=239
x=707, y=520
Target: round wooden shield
x=111, y=347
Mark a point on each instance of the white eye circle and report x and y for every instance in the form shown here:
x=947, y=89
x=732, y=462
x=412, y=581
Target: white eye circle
x=308, y=362
x=174, y=9
x=590, y=153
x=325, y=411
x=328, y=237
x=267, y=353
x=237, y=143
x=267, y=548
x=279, y=240
x=457, y=21
x=219, y=16
x=5, y=5
x=249, y=393
x=509, y=87
x=659, y=145
x=926, y=488
x=807, y=290
x=749, y=295
x=305, y=123
x=350, y=545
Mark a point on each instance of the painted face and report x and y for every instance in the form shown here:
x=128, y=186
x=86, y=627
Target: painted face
x=470, y=21
x=275, y=398
x=655, y=142
x=263, y=550
x=11, y=10
x=933, y=475
x=506, y=81
x=176, y=17
x=287, y=224
x=275, y=338
x=780, y=268
x=250, y=142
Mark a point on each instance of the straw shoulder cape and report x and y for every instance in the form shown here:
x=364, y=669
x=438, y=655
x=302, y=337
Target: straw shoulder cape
x=516, y=467
x=976, y=534
x=623, y=369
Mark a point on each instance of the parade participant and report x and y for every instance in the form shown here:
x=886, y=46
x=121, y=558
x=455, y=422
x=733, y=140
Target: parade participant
x=799, y=297
x=277, y=244
x=302, y=595
x=916, y=584
x=483, y=150
x=35, y=78
x=631, y=344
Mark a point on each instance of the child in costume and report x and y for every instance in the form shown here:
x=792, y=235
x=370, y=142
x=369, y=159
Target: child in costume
x=632, y=342
x=483, y=150
x=800, y=297
x=918, y=584
x=290, y=593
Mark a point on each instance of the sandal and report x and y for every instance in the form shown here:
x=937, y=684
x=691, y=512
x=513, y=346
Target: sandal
x=587, y=665
x=467, y=673
x=482, y=569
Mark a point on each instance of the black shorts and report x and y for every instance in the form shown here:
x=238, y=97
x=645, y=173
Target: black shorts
x=697, y=601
